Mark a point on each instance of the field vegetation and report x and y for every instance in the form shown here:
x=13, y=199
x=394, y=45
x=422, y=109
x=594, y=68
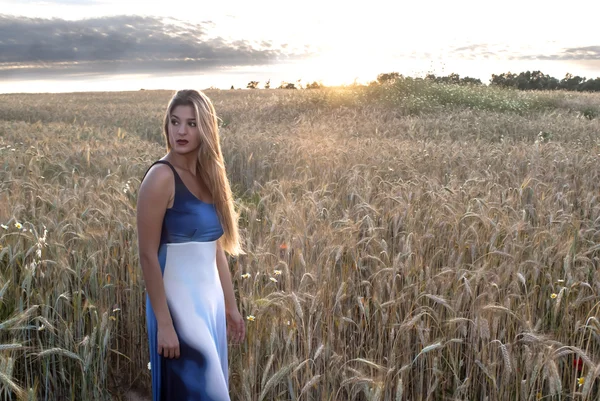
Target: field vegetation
x=410, y=240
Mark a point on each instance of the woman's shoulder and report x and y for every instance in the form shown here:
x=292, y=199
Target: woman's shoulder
x=158, y=175
x=155, y=193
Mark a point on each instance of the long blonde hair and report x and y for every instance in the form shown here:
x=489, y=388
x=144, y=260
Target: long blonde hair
x=211, y=165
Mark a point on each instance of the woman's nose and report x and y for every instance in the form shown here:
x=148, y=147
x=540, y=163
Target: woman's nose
x=181, y=129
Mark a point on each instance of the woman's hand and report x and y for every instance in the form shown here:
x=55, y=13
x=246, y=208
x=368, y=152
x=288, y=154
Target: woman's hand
x=235, y=326
x=168, y=343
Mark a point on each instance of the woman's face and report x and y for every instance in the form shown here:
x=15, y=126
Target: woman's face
x=184, y=135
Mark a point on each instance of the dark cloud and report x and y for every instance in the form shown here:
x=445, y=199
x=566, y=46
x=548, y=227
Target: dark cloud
x=124, y=44
x=488, y=51
x=582, y=53
x=589, y=53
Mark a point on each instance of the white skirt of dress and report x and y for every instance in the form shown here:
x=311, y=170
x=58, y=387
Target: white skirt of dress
x=196, y=302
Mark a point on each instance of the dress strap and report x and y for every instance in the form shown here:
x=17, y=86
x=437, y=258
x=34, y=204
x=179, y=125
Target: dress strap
x=177, y=178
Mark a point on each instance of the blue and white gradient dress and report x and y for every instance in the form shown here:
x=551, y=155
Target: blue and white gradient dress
x=187, y=257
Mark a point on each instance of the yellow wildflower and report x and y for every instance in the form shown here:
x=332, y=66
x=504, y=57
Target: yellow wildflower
x=273, y=279
x=277, y=272
x=553, y=295
x=18, y=226
x=246, y=275
x=250, y=318
x=581, y=381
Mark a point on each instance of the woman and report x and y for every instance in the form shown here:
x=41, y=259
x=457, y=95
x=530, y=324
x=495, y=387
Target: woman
x=186, y=221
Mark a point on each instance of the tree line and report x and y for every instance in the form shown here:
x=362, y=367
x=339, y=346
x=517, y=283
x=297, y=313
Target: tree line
x=537, y=80
x=529, y=80
x=285, y=85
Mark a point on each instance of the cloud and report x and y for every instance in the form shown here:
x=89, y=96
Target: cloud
x=582, y=53
x=586, y=53
x=123, y=44
x=483, y=51
x=526, y=53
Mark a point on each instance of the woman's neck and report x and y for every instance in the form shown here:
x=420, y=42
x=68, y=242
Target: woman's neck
x=184, y=162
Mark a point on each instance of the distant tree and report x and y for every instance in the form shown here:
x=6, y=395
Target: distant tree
x=314, y=85
x=252, y=85
x=388, y=78
x=268, y=84
x=286, y=85
x=523, y=80
x=535, y=80
x=571, y=83
x=591, y=85
x=553, y=83
x=232, y=88
x=471, y=81
x=453, y=79
x=506, y=80
x=528, y=80
x=541, y=81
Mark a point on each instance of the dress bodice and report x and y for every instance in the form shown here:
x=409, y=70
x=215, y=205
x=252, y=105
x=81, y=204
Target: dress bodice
x=189, y=219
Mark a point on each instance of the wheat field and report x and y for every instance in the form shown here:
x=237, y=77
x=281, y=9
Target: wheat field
x=437, y=243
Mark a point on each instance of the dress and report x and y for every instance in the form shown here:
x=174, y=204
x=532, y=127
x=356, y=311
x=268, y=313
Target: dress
x=187, y=257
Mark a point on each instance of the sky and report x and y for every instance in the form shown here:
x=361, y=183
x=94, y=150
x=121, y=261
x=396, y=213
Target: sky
x=99, y=45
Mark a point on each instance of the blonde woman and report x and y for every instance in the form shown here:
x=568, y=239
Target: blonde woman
x=186, y=222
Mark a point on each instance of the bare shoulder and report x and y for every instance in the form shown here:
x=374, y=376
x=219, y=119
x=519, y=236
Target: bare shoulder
x=158, y=185
x=154, y=197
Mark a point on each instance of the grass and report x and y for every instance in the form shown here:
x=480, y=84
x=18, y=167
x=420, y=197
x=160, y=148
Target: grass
x=444, y=248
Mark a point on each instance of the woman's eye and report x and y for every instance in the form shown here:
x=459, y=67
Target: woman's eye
x=192, y=124
x=173, y=122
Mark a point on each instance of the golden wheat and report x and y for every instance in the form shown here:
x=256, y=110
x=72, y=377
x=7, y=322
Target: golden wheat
x=389, y=255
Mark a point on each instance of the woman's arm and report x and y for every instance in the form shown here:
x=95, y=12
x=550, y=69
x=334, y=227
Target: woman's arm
x=235, y=321
x=154, y=196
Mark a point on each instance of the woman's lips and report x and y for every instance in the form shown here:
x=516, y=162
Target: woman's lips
x=182, y=142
